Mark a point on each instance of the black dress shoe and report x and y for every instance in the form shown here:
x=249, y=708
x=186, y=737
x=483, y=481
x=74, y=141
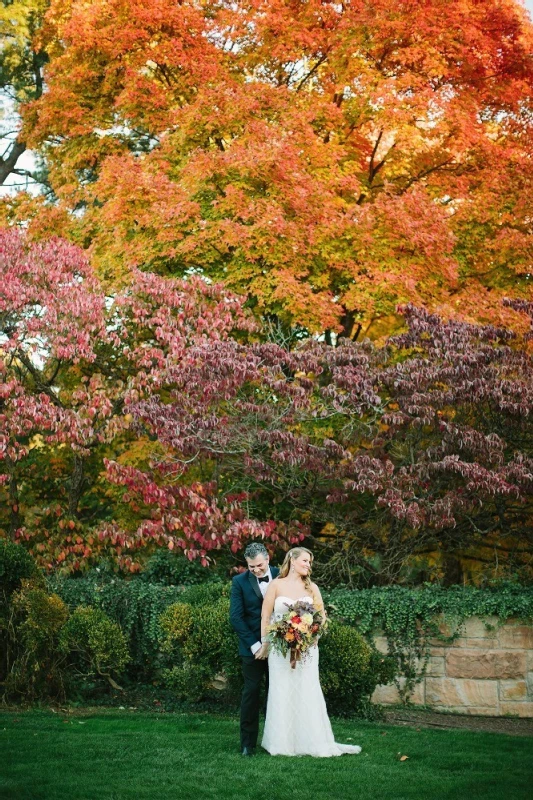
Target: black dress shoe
x=248, y=751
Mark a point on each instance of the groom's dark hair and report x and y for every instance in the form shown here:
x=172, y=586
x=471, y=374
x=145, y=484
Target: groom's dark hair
x=255, y=549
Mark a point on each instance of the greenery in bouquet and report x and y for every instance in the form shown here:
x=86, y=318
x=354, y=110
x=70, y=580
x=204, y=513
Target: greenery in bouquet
x=297, y=630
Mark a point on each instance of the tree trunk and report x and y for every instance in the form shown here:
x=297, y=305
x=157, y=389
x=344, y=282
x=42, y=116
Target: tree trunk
x=8, y=164
x=350, y=328
x=15, y=520
x=76, y=486
x=453, y=571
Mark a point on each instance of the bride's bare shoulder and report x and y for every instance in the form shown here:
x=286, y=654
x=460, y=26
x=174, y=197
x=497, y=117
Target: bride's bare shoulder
x=279, y=584
x=274, y=585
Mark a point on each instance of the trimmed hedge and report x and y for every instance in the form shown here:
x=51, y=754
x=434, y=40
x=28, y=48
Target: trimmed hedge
x=135, y=605
x=200, y=640
x=397, y=608
x=181, y=638
x=350, y=670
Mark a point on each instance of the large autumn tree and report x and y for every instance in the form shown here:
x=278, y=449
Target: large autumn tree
x=327, y=159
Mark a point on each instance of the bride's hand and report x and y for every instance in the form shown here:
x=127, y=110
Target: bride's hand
x=262, y=653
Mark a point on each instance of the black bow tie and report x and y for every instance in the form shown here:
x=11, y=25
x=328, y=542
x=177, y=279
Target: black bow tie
x=264, y=579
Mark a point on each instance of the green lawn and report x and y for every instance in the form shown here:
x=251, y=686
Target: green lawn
x=117, y=755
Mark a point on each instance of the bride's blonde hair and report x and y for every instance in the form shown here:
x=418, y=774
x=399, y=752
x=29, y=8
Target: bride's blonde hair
x=296, y=552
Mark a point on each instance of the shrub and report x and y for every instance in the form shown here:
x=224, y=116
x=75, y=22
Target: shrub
x=95, y=645
x=135, y=605
x=206, y=594
x=176, y=624
x=200, y=639
x=35, y=665
x=15, y=564
x=42, y=647
x=188, y=682
x=350, y=669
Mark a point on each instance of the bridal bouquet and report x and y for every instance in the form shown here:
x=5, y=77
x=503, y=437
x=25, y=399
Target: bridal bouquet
x=296, y=630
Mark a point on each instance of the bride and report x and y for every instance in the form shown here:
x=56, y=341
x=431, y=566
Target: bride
x=297, y=721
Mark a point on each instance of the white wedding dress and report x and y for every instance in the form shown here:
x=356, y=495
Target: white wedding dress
x=297, y=721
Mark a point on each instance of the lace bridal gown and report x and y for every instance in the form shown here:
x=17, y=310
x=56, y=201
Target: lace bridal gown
x=297, y=721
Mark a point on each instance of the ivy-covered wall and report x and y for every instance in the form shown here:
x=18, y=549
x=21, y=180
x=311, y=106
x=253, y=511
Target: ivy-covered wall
x=462, y=650
x=488, y=670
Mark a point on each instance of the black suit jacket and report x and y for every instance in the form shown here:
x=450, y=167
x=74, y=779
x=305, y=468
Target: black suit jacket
x=246, y=602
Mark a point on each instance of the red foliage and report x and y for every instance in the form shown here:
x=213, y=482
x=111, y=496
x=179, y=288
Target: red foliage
x=73, y=362
x=421, y=445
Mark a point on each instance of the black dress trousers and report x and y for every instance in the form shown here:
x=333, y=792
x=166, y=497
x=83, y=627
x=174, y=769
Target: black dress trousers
x=254, y=671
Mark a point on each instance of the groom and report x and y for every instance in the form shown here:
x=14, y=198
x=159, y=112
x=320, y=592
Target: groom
x=246, y=600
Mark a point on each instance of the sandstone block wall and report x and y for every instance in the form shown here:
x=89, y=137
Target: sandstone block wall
x=487, y=671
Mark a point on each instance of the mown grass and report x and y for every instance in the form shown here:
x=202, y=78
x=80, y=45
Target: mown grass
x=120, y=755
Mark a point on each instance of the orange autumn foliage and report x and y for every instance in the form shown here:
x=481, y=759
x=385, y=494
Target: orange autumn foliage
x=329, y=159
